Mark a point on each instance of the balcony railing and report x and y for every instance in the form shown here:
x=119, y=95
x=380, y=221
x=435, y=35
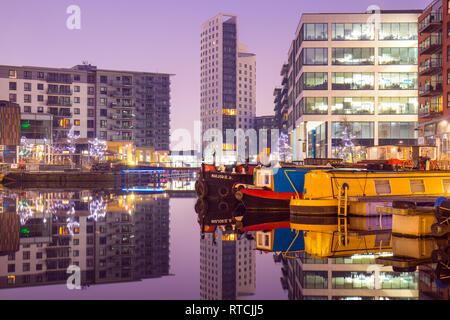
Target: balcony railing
x=59, y=103
x=431, y=45
x=432, y=22
x=67, y=79
x=116, y=83
x=430, y=89
x=429, y=111
x=120, y=105
x=59, y=92
x=430, y=66
x=120, y=94
x=121, y=116
x=121, y=138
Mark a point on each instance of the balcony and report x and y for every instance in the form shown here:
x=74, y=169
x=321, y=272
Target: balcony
x=431, y=45
x=119, y=94
x=117, y=116
x=117, y=83
x=120, y=128
x=121, y=138
x=116, y=105
x=430, y=66
x=59, y=103
x=432, y=23
x=60, y=92
x=428, y=111
x=430, y=89
x=59, y=78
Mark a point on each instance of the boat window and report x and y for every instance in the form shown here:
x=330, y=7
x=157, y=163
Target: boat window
x=382, y=186
x=260, y=240
x=267, y=244
x=417, y=186
x=264, y=179
x=446, y=185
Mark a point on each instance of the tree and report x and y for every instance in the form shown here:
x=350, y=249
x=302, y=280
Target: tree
x=347, y=148
x=284, y=147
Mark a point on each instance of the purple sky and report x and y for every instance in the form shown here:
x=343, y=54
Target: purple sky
x=161, y=36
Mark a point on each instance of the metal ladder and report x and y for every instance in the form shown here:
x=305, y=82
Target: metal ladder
x=342, y=214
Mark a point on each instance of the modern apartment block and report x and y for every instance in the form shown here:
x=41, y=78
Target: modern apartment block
x=281, y=101
x=434, y=78
x=353, y=74
x=108, y=104
x=227, y=266
x=227, y=79
x=356, y=277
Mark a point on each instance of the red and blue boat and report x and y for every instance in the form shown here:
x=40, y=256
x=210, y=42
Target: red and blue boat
x=273, y=188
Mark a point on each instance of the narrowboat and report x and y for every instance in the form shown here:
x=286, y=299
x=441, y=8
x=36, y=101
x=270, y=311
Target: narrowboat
x=214, y=188
x=272, y=232
x=359, y=192
x=326, y=237
x=273, y=188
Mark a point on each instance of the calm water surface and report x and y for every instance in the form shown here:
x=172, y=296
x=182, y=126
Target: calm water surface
x=140, y=245
x=128, y=246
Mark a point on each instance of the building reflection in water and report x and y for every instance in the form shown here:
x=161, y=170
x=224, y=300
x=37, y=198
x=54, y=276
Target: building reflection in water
x=227, y=264
x=328, y=269
x=110, y=237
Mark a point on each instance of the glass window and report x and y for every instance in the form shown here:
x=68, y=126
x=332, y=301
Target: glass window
x=314, y=56
x=314, y=81
x=360, y=130
x=353, y=105
x=352, y=31
x=314, y=105
x=397, y=56
x=314, y=31
x=397, y=80
x=353, y=56
x=352, y=81
x=398, y=31
x=315, y=280
x=353, y=280
x=397, y=130
x=399, y=280
x=397, y=105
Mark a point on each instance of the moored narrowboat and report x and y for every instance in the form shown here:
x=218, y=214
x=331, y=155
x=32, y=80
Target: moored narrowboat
x=273, y=188
x=350, y=191
x=214, y=188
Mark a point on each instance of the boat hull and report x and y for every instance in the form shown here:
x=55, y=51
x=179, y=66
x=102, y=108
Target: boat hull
x=265, y=200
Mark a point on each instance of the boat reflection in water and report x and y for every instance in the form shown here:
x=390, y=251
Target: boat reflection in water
x=110, y=237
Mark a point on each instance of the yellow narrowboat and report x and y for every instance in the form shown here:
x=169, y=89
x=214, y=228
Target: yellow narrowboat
x=327, y=237
x=359, y=192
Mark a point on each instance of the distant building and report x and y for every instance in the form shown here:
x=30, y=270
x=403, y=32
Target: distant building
x=227, y=81
x=281, y=101
x=111, y=105
x=353, y=72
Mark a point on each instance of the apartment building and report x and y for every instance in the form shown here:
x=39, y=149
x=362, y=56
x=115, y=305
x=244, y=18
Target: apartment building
x=227, y=81
x=281, y=101
x=434, y=82
x=355, y=75
x=108, y=104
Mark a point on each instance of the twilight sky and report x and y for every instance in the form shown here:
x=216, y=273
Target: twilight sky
x=161, y=36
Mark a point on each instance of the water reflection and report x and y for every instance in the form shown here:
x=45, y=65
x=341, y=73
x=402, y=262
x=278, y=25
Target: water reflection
x=111, y=237
x=320, y=261
x=124, y=236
